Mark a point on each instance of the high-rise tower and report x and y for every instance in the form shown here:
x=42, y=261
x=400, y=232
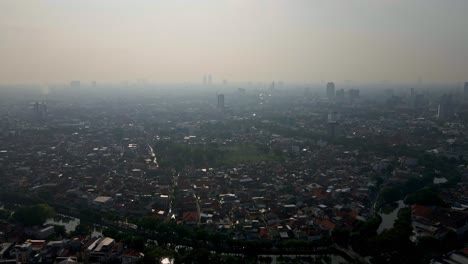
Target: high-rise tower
x=75, y=84
x=465, y=91
x=40, y=111
x=220, y=105
x=331, y=91
x=445, y=110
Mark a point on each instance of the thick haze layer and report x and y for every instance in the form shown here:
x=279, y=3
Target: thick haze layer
x=177, y=41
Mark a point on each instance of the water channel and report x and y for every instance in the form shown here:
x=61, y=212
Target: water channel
x=151, y=152
x=71, y=223
x=388, y=219
x=332, y=259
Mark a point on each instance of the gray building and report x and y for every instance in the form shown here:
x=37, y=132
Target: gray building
x=220, y=105
x=331, y=91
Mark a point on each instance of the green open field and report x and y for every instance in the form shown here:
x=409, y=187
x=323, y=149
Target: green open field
x=202, y=156
x=244, y=153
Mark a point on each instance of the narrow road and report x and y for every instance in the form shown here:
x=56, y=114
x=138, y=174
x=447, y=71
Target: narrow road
x=171, y=197
x=198, y=209
x=151, y=152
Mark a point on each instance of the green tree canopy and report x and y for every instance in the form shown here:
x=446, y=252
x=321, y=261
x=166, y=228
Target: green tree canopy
x=34, y=215
x=425, y=196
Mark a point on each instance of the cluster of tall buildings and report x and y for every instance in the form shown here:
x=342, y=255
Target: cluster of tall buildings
x=331, y=91
x=75, y=84
x=447, y=107
x=40, y=111
x=220, y=105
x=465, y=91
x=207, y=80
x=339, y=95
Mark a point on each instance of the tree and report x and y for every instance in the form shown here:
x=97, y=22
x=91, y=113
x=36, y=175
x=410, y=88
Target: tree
x=34, y=215
x=295, y=245
x=341, y=236
x=4, y=214
x=60, y=230
x=154, y=254
x=83, y=230
x=137, y=243
x=149, y=223
x=89, y=216
x=425, y=196
x=394, y=244
x=390, y=194
x=199, y=255
x=110, y=232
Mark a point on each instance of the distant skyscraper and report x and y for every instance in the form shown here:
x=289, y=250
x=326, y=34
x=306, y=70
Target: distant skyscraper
x=333, y=116
x=332, y=127
x=465, y=91
x=339, y=95
x=353, y=94
x=306, y=92
x=419, y=100
x=388, y=92
x=331, y=91
x=75, y=84
x=204, y=80
x=221, y=103
x=94, y=84
x=445, y=110
x=209, y=80
x=40, y=111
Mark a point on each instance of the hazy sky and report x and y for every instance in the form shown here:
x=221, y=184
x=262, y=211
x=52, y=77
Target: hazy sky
x=176, y=41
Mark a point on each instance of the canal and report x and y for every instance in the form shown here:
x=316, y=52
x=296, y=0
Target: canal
x=388, y=218
x=70, y=224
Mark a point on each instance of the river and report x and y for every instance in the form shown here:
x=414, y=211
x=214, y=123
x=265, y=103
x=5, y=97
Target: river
x=332, y=259
x=389, y=219
x=151, y=152
x=71, y=223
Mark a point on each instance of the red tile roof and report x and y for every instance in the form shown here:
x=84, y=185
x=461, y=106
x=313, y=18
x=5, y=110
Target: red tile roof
x=263, y=233
x=190, y=216
x=325, y=223
x=421, y=210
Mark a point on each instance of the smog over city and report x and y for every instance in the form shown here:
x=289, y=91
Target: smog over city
x=233, y=131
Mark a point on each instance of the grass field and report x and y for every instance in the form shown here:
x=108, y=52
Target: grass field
x=244, y=153
x=202, y=156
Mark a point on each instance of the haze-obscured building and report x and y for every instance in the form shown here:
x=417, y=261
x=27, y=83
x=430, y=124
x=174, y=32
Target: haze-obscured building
x=465, y=91
x=445, y=109
x=330, y=90
x=220, y=105
x=75, y=84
